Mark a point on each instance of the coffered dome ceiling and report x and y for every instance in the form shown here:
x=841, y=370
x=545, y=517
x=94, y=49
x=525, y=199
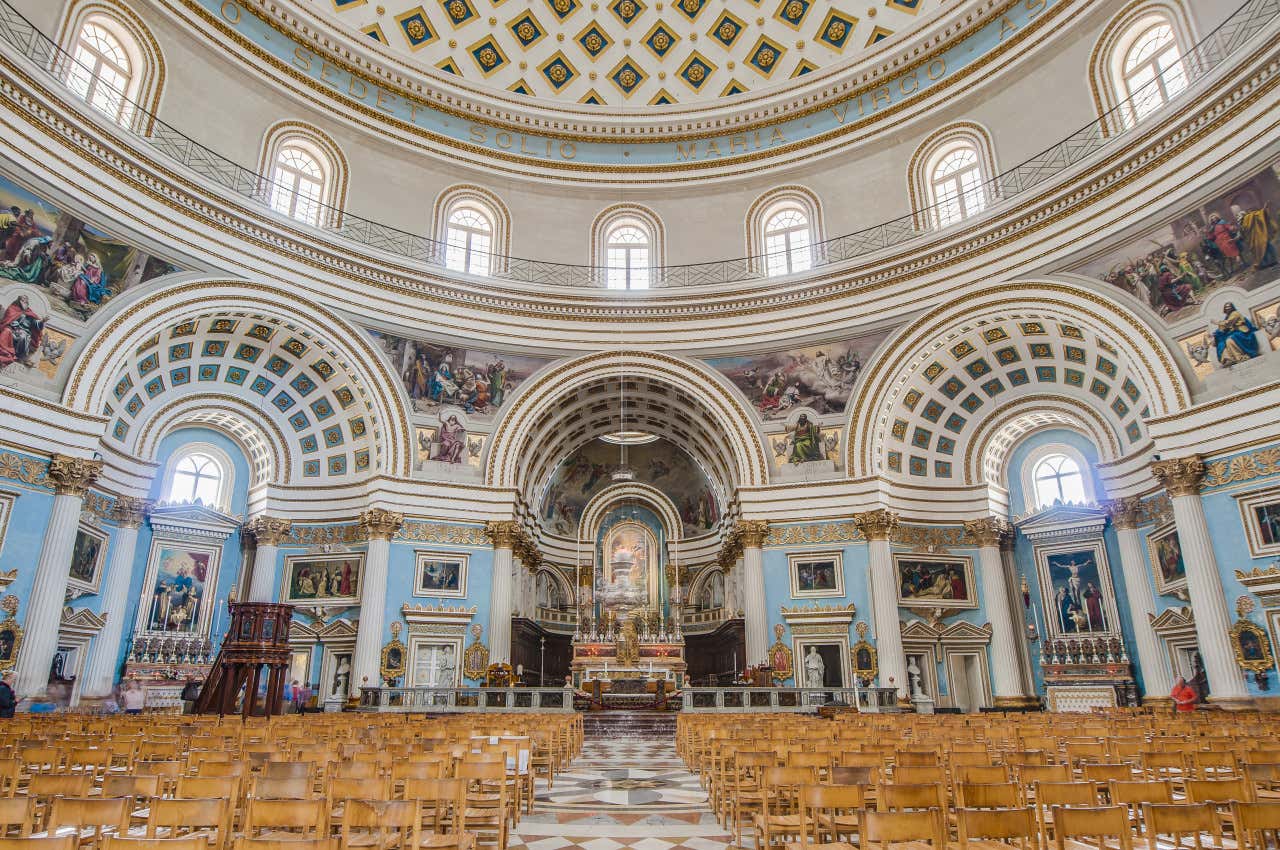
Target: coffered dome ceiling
x=628, y=52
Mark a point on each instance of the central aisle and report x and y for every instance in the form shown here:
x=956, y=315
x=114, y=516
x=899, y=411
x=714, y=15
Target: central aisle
x=623, y=792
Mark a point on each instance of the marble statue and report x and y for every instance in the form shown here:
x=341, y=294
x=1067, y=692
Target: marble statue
x=814, y=668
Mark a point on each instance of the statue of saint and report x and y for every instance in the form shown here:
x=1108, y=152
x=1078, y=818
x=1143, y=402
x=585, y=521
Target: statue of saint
x=814, y=668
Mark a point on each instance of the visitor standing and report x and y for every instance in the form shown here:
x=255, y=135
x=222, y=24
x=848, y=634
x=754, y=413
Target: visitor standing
x=133, y=697
x=1184, y=696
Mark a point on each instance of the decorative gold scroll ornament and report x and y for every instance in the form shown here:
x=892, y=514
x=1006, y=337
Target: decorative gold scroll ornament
x=866, y=663
x=393, y=656
x=475, y=660
x=779, y=657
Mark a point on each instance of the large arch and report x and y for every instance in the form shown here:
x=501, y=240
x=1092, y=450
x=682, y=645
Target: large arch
x=930, y=405
x=311, y=377
x=571, y=402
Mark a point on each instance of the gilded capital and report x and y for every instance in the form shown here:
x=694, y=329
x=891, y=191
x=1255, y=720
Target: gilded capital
x=1125, y=513
x=878, y=524
x=380, y=524
x=73, y=476
x=1181, y=476
x=269, y=530
x=129, y=511
x=503, y=533
x=752, y=532
x=988, y=531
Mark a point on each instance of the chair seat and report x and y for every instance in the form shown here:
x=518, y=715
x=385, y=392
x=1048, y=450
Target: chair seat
x=442, y=841
x=778, y=822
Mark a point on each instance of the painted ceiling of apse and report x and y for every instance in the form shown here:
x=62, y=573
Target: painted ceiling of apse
x=820, y=377
x=628, y=51
x=78, y=266
x=285, y=370
x=661, y=464
x=436, y=375
x=1175, y=263
x=961, y=378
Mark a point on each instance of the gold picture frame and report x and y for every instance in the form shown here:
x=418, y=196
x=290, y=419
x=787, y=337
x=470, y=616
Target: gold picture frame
x=1252, y=646
x=781, y=660
x=394, y=656
x=475, y=659
x=865, y=662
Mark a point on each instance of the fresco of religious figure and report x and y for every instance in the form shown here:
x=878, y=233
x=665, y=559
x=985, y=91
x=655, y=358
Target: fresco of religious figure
x=806, y=441
x=1235, y=337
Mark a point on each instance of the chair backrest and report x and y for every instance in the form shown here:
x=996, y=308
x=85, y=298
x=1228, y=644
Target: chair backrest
x=996, y=824
x=443, y=802
x=355, y=769
x=247, y=843
x=17, y=816
x=916, y=758
x=918, y=774
x=366, y=788
x=863, y=775
x=48, y=785
x=893, y=797
x=182, y=816
x=1107, y=772
x=984, y=774
x=60, y=842
x=308, y=817
x=1092, y=822
x=1257, y=824
x=1031, y=774
x=1135, y=791
x=1050, y=794
x=191, y=842
x=97, y=814
x=885, y=828
x=291, y=788
x=227, y=787
x=138, y=787
x=1178, y=819
x=289, y=769
x=1220, y=791
x=992, y=795
x=391, y=823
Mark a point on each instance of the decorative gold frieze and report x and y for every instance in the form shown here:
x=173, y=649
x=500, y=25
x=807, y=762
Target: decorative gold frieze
x=269, y=530
x=929, y=538
x=879, y=524
x=1235, y=470
x=324, y=535
x=72, y=476
x=1180, y=476
x=380, y=524
x=27, y=470
x=825, y=532
x=440, y=532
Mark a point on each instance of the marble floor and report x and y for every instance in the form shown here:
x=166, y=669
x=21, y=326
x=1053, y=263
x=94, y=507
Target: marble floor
x=622, y=793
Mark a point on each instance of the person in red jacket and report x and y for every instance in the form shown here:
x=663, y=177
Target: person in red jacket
x=1184, y=696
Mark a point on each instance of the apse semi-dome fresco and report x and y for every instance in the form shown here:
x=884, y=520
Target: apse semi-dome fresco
x=627, y=52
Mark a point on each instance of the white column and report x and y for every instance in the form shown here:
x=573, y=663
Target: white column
x=379, y=526
x=878, y=526
x=1157, y=678
x=268, y=533
x=1181, y=477
x=755, y=610
x=1006, y=679
x=1018, y=614
x=501, y=589
x=100, y=669
x=72, y=477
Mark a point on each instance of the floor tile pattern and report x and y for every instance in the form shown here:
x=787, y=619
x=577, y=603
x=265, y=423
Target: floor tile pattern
x=622, y=793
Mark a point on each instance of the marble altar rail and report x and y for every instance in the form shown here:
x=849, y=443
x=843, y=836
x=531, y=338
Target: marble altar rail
x=452, y=700
x=797, y=700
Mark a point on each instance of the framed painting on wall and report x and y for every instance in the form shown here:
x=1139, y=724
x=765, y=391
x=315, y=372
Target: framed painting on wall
x=1075, y=583
x=935, y=581
x=1260, y=513
x=331, y=579
x=180, y=577
x=816, y=574
x=442, y=574
x=7, y=499
x=87, y=555
x=1167, y=565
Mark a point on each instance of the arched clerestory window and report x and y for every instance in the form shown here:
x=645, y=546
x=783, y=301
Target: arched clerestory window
x=784, y=231
x=1137, y=64
x=111, y=61
x=201, y=473
x=950, y=173
x=626, y=243
x=306, y=174
x=472, y=227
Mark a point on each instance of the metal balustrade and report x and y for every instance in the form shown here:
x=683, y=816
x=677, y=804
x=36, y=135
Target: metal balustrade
x=794, y=700
x=19, y=35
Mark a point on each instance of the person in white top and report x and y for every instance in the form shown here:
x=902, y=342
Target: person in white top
x=132, y=697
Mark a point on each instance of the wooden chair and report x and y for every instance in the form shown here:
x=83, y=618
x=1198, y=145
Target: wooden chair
x=289, y=788
x=381, y=825
x=1222, y=793
x=992, y=795
x=1100, y=823
x=830, y=811
x=62, y=842
x=982, y=774
x=208, y=819
x=996, y=829
x=1132, y=794
x=286, y=819
x=88, y=818
x=893, y=797
x=1192, y=820
x=486, y=810
x=912, y=828
x=919, y=775
x=442, y=803
x=780, y=818
x=1050, y=796
x=1029, y=776
x=10, y=774
x=45, y=788
x=17, y=817
x=1265, y=779
x=1257, y=825
x=746, y=792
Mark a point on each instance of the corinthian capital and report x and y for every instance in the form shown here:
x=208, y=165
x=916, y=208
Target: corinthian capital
x=269, y=530
x=503, y=533
x=72, y=476
x=878, y=524
x=988, y=531
x=1181, y=476
x=380, y=524
x=752, y=532
x=1125, y=512
x=129, y=512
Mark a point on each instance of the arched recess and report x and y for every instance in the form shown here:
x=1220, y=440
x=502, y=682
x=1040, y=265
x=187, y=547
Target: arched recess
x=1109, y=51
x=996, y=438
x=295, y=383
x=571, y=403
x=597, y=510
x=936, y=387
x=147, y=74
x=956, y=135
x=469, y=195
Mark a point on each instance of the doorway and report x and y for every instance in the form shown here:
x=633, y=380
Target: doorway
x=968, y=684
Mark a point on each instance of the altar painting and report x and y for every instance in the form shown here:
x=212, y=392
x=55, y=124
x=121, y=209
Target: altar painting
x=821, y=377
x=178, y=575
x=628, y=572
x=1167, y=564
x=935, y=581
x=333, y=579
x=1077, y=594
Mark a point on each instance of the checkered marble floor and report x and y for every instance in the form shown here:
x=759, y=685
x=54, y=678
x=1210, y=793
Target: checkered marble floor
x=622, y=793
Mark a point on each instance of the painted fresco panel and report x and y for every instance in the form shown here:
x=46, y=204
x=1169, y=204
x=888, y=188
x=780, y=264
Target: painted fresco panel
x=1175, y=263
x=821, y=377
x=436, y=376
